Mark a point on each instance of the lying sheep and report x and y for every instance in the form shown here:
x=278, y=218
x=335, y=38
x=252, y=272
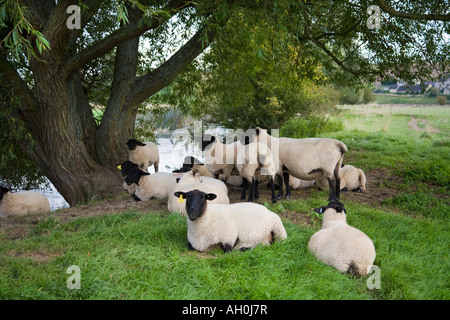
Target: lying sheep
x=192, y=180
x=125, y=168
x=190, y=163
x=20, y=203
x=254, y=161
x=352, y=179
x=339, y=245
x=295, y=183
x=232, y=226
x=220, y=158
x=148, y=186
x=306, y=159
x=144, y=154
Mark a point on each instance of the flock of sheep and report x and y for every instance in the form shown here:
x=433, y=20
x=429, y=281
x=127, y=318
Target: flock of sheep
x=199, y=192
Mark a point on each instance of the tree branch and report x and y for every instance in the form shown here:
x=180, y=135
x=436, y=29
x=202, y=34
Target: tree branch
x=117, y=37
x=414, y=16
x=147, y=85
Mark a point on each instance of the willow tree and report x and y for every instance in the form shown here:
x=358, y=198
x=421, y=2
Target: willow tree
x=50, y=61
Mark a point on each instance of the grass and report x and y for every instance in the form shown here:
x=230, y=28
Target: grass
x=143, y=255
x=404, y=99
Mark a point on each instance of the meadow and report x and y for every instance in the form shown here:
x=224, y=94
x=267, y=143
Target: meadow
x=140, y=252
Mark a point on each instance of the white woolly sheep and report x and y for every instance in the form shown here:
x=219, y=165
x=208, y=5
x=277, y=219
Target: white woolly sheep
x=192, y=180
x=296, y=183
x=232, y=226
x=191, y=163
x=339, y=245
x=352, y=179
x=306, y=159
x=220, y=158
x=254, y=161
x=157, y=185
x=20, y=203
x=144, y=154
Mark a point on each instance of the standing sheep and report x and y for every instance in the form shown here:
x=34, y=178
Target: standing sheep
x=144, y=154
x=21, y=203
x=149, y=186
x=352, y=179
x=232, y=226
x=306, y=159
x=254, y=161
x=339, y=245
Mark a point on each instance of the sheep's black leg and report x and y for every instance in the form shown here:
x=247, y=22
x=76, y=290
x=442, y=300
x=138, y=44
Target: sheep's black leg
x=286, y=184
x=227, y=248
x=332, y=185
x=256, y=189
x=338, y=181
x=272, y=188
x=280, y=186
x=252, y=190
x=244, y=188
x=190, y=247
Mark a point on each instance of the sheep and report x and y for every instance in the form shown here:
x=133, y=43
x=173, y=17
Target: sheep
x=21, y=203
x=232, y=226
x=219, y=158
x=157, y=185
x=254, y=161
x=125, y=168
x=192, y=180
x=352, y=179
x=295, y=183
x=144, y=154
x=339, y=245
x=190, y=163
x=306, y=159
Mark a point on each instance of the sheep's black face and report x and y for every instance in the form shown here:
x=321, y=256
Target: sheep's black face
x=207, y=139
x=195, y=202
x=132, y=143
x=336, y=205
x=126, y=166
x=134, y=175
x=3, y=191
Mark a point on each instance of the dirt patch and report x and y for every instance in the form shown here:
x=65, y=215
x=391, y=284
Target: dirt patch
x=414, y=125
x=378, y=189
x=35, y=256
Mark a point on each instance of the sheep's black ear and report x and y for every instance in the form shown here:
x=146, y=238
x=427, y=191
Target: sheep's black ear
x=179, y=193
x=336, y=205
x=144, y=173
x=140, y=144
x=320, y=210
x=211, y=196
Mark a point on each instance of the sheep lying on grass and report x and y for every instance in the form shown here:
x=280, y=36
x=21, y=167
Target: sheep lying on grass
x=192, y=180
x=306, y=159
x=144, y=154
x=232, y=226
x=148, y=186
x=339, y=245
x=20, y=203
x=191, y=163
x=125, y=168
x=352, y=179
x=254, y=161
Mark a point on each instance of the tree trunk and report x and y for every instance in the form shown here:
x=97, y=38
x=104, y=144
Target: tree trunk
x=64, y=137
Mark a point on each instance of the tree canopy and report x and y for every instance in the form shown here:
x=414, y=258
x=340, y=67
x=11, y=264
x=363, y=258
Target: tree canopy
x=77, y=91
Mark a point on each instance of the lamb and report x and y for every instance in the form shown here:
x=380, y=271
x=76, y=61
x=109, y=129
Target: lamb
x=352, y=179
x=232, y=226
x=190, y=163
x=21, y=203
x=339, y=245
x=306, y=159
x=157, y=185
x=192, y=180
x=144, y=154
x=220, y=158
x=253, y=162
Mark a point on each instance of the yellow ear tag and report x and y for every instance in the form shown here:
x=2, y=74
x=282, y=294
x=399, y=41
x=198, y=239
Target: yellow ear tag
x=180, y=199
x=119, y=167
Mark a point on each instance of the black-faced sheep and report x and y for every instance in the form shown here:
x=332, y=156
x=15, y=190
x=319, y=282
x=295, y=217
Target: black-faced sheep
x=144, y=154
x=20, y=203
x=191, y=163
x=306, y=159
x=157, y=185
x=352, y=179
x=232, y=226
x=339, y=245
